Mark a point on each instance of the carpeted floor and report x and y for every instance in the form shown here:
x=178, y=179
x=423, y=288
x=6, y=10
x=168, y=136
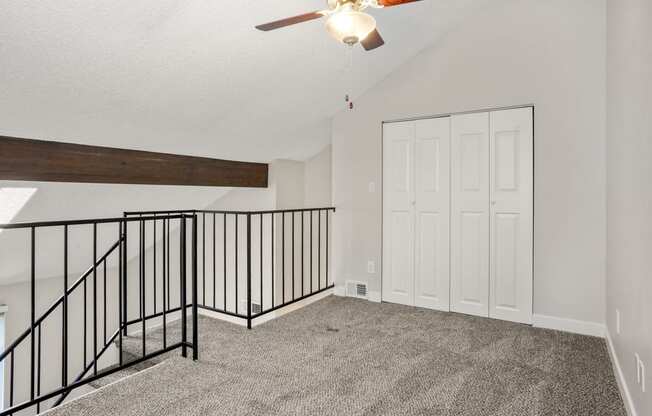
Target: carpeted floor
x=342, y=356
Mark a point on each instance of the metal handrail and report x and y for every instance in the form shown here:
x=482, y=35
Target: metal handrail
x=41, y=224
x=199, y=211
x=58, y=302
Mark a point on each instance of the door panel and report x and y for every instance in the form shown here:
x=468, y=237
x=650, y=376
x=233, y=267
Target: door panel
x=427, y=254
x=470, y=214
x=401, y=255
x=511, y=215
x=398, y=216
x=472, y=291
x=432, y=213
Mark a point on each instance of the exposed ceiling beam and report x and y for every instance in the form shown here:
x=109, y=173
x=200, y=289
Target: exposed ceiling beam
x=43, y=160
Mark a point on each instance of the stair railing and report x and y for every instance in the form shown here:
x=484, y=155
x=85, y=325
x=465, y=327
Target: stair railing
x=35, y=395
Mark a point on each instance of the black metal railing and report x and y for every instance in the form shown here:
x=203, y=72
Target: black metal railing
x=252, y=263
x=111, y=319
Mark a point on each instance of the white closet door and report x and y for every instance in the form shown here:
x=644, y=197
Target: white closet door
x=511, y=215
x=432, y=216
x=398, y=217
x=470, y=214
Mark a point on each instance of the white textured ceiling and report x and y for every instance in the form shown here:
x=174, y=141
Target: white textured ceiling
x=193, y=77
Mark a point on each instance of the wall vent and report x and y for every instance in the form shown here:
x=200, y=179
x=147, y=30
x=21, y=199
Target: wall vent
x=356, y=289
x=255, y=307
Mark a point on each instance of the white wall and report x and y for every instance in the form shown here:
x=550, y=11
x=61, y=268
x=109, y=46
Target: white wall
x=286, y=178
x=547, y=53
x=317, y=176
x=629, y=193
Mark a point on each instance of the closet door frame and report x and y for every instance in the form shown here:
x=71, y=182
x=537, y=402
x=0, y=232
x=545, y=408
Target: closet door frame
x=489, y=110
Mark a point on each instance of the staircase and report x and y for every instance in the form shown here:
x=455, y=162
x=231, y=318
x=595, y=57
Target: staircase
x=131, y=351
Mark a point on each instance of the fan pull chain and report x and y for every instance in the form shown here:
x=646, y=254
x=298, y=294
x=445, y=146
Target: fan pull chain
x=347, y=97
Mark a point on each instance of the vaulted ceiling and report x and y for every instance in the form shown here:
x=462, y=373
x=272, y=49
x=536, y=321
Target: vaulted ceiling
x=193, y=77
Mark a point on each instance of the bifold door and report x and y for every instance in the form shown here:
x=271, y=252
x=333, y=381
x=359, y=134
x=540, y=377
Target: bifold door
x=491, y=226
x=416, y=216
x=458, y=213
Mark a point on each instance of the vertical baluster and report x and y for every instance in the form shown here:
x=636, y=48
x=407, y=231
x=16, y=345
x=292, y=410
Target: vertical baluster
x=163, y=264
x=121, y=258
x=168, y=258
x=283, y=257
x=195, y=333
x=273, y=259
x=214, y=274
x=327, y=245
x=11, y=379
x=33, y=310
x=38, y=371
x=64, y=318
x=140, y=268
x=303, y=243
x=249, y=270
x=85, y=329
x=203, y=256
x=319, y=248
x=224, y=262
x=236, y=264
x=182, y=291
x=261, y=262
x=104, y=326
x=143, y=310
x=125, y=252
x=94, y=298
x=154, y=293
x=293, y=292
x=311, y=251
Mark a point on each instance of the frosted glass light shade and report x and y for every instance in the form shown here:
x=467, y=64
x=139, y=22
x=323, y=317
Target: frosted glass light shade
x=350, y=26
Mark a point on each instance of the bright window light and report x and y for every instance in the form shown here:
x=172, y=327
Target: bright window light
x=12, y=200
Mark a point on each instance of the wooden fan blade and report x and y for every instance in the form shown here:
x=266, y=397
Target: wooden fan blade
x=289, y=21
x=372, y=41
x=390, y=3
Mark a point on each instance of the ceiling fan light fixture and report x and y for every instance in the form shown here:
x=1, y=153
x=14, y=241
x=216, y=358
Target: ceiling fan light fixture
x=350, y=26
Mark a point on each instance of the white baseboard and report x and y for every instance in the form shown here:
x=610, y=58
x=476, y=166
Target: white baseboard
x=593, y=329
x=222, y=317
x=375, y=297
x=620, y=377
x=340, y=291
x=372, y=297
x=269, y=316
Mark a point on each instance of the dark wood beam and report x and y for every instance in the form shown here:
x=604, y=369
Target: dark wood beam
x=43, y=160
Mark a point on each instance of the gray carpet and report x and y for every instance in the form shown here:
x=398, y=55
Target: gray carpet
x=342, y=356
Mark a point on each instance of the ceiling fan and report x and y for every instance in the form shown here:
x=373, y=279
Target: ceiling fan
x=347, y=22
